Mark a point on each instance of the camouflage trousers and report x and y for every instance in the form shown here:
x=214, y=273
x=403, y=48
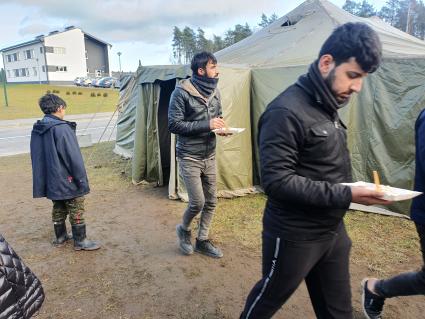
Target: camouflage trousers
x=73, y=207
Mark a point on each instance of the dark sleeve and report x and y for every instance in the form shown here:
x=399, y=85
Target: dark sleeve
x=176, y=118
x=69, y=151
x=420, y=139
x=281, y=137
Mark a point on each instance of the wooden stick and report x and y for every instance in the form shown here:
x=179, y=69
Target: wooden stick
x=225, y=125
x=376, y=180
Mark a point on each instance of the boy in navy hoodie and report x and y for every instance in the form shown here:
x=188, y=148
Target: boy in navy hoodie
x=58, y=171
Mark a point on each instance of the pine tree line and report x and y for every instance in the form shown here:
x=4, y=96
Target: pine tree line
x=186, y=42
x=406, y=15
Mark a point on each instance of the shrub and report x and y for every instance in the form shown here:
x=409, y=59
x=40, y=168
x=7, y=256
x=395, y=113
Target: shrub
x=74, y=92
x=99, y=94
x=92, y=94
x=68, y=93
x=48, y=92
x=80, y=93
x=105, y=94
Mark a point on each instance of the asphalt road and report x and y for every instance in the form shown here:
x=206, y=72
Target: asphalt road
x=15, y=134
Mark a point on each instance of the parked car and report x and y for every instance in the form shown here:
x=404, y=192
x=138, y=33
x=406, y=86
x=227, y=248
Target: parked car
x=78, y=80
x=86, y=82
x=95, y=82
x=107, y=82
x=117, y=84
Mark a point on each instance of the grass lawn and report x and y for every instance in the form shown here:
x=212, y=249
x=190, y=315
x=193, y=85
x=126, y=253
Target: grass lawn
x=380, y=242
x=23, y=100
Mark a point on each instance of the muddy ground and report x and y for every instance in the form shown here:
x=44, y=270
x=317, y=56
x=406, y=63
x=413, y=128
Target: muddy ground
x=139, y=272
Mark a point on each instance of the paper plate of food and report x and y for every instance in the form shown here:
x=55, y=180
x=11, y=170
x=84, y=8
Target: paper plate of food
x=229, y=130
x=390, y=193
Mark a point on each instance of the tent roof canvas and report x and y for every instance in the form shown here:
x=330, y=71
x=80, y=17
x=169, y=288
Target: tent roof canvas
x=295, y=38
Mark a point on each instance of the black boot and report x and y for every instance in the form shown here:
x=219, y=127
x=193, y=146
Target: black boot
x=61, y=234
x=80, y=240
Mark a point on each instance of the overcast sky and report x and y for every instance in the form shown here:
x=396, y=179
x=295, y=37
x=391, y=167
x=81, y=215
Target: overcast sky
x=140, y=29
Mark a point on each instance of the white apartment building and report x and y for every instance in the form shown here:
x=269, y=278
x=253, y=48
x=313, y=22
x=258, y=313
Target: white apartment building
x=57, y=58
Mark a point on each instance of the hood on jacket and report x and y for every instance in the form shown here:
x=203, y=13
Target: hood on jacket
x=49, y=121
x=187, y=85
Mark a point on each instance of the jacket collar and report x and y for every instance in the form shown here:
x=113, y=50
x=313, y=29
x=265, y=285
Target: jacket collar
x=57, y=119
x=314, y=85
x=188, y=86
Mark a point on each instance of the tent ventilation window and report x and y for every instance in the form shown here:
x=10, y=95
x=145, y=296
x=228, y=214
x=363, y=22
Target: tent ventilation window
x=287, y=23
x=293, y=20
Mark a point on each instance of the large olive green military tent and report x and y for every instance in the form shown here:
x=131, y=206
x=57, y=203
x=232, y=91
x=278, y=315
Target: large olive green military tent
x=255, y=70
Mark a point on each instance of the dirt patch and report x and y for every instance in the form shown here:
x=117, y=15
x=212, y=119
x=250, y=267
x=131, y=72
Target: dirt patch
x=139, y=272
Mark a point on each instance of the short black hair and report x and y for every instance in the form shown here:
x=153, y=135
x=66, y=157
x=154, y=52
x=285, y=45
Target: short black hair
x=354, y=40
x=200, y=60
x=50, y=103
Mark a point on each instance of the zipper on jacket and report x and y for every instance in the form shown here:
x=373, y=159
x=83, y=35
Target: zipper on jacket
x=337, y=124
x=208, y=136
x=346, y=157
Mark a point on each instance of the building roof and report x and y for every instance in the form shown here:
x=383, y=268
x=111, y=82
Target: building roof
x=40, y=38
x=16, y=46
x=87, y=35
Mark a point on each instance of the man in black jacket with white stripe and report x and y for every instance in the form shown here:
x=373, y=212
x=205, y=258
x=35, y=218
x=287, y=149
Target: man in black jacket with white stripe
x=304, y=159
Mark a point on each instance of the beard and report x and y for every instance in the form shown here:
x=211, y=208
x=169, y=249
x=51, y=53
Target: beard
x=329, y=81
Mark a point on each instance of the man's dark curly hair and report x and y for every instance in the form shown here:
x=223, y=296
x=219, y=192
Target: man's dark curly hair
x=354, y=40
x=200, y=60
x=50, y=103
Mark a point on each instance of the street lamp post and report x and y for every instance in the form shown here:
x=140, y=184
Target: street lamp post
x=38, y=71
x=119, y=59
x=4, y=80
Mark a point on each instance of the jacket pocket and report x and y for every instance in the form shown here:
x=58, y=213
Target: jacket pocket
x=320, y=131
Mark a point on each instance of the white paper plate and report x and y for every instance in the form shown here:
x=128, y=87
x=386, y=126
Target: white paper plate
x=390, y=193
x=231, y=130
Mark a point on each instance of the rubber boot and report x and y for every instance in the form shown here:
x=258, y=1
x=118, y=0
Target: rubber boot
x=80, y=240
x=60, y=232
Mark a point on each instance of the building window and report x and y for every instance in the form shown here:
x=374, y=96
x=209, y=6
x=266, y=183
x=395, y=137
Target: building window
x=55, y=50
x=43, y=68
x=41, y=49
x=57, y=68
x=16, y=72
x=61, y=68
x=35, y=71
x=29, y=54
x=58, y=50
x=12, y=57
x=8, y=73
x=24, y=72
x=87, y=56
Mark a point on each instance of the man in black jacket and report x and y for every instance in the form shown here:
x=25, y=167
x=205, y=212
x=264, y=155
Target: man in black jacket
x=193, y=114
x=58, y=171
x=304, y=159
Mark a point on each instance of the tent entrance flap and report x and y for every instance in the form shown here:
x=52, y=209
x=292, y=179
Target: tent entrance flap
x=167, y=88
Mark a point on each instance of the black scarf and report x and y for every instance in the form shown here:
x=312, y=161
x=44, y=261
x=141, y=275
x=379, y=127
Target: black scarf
x=204, y=85
x=322, y=90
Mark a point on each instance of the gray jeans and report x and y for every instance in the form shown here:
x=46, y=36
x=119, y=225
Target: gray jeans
x=200, y=180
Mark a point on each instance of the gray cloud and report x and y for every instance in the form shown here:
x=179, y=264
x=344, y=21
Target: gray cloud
x=147, y=21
